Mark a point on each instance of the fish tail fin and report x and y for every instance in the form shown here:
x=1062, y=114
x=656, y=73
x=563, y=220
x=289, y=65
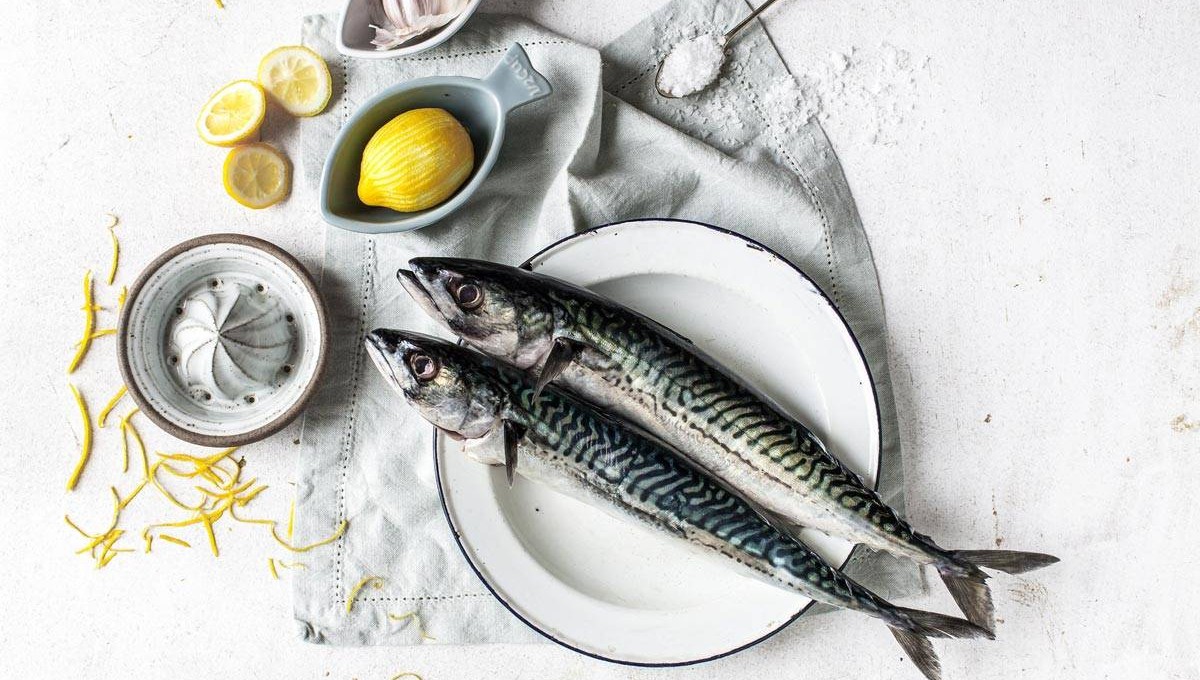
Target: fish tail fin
x=968, y=586
x=932, y=624
x=919, y=650
x=1007, y=561
x=912, y=628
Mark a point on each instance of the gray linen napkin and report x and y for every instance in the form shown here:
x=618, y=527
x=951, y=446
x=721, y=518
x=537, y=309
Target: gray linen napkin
x=572, y=161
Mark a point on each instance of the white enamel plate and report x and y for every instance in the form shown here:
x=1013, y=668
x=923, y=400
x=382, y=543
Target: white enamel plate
x=621, y=592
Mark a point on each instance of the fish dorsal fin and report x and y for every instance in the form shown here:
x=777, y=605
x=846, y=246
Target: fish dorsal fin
x=512, y=436
x=557, y=359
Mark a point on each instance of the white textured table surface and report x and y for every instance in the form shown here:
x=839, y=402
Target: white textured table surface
x=1036, y=225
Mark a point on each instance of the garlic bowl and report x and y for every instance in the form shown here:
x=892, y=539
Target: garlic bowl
x=355, y=34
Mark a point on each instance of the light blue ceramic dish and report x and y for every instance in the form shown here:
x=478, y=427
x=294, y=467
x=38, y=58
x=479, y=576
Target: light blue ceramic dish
x=481, y=105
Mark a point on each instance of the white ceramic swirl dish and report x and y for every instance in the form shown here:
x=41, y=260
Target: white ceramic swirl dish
x=222, y=339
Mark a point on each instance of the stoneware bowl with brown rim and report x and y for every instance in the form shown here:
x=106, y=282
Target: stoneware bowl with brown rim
x=222, y=340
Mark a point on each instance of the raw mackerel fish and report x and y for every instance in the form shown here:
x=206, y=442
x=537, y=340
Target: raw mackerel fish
x=632, y=366
x=556, y=440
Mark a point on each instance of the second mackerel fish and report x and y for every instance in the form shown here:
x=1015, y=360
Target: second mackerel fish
x=555, y=440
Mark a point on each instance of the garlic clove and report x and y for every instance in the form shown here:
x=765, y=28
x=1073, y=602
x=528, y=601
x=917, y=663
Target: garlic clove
x=399, y=21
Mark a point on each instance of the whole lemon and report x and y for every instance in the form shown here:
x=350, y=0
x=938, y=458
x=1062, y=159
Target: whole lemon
x=416, y=161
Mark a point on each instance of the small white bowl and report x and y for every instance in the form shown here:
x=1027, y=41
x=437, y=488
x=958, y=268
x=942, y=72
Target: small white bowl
x=354, y=33
x=211, y=276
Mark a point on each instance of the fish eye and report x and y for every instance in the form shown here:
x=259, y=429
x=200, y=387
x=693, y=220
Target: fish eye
x=423, y=367
x=468, y=296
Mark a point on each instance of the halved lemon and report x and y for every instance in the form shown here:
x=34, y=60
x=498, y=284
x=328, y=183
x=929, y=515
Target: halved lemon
x=233, y=114
x=297, y=78
x=256, y=175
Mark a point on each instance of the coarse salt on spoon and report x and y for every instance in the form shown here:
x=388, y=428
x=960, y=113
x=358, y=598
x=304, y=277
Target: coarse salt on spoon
x=694, y=64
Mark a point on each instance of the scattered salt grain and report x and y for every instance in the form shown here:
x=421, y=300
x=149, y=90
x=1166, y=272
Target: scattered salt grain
x=864, y=94
x=692, y=65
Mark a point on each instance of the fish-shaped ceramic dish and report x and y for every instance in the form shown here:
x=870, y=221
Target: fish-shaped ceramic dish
x=481, y=105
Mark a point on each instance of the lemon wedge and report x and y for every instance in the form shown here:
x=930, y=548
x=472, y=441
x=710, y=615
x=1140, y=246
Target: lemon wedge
x=297, y=78
x=256, y=175
x=233, y=114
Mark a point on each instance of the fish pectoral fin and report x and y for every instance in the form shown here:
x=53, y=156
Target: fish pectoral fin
x=783, y=525
x=512, y=435
x=557, y=359
x=453, y=435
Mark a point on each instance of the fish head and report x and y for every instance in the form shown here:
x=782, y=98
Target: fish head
x=441, y=380
x=500, y=310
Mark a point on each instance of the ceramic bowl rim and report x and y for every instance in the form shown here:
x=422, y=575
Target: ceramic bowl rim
x=262, y=431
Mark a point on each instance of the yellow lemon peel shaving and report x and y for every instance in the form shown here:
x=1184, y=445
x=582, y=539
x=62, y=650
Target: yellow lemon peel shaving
x=374, y=581
x=113, y=220
x=86, y=446
x=416, y=619
x=110, y=406
x=271, y=567
x=89, y=322
x=105, y=541
x=123, y=502
x=291, y=525
x=212, y=538
x=177, y=541
x=221, y=491
x=287, y=545
x=121, y=296
x=128, y=428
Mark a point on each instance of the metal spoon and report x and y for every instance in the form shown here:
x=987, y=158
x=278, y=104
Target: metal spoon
x=724, y=42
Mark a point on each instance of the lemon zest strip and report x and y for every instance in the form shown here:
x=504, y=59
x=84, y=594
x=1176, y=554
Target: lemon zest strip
x=123, y=502
x=110, y=405
x=127, y=426
x=212, y=537
x=291, y=525
x=374, y=581
x=86, y=446
x=416, y=618
x=271, y=567
x=341, y=530
x=116, y=248
x=89, y=322
x=107, y=540
x=177, y=541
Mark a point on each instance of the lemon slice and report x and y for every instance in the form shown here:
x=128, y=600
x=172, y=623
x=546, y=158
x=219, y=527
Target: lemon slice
x=256, y=175
x=233, y=114
x=297, y=78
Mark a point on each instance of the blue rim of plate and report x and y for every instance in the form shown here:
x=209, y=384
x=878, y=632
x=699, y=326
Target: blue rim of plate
x=691, y=662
